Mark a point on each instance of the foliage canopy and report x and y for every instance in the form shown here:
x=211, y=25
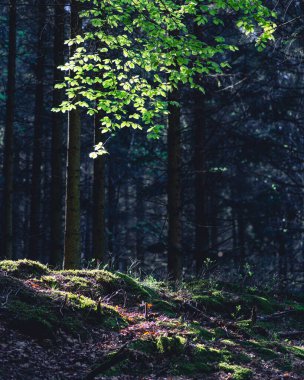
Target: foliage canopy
x=132, y=53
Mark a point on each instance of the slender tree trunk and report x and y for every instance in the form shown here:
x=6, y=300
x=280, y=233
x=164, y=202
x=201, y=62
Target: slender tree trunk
x=111, y=203
x=201, y=228
x=35, y=228
x=140, y=211
x=86, y=227
x=72, y=251
x=99, y=220
x=8, y=163
x=174, y=189
x=234, y=237
x=57, y=135
x=214, y=227
x=282, y=261
x=241, y=220
x=241, y=239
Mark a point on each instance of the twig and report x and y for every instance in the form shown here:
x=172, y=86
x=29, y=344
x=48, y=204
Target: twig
x=119, y=356
x=6, y=298
x=279, y=314
x=107, y=299
x=98, y=309
x=65, y=301
x=193, y=308
x=254, y=315
x=291, y=334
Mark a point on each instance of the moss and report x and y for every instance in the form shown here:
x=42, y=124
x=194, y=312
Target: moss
x=261, y=349
x=102, y=283
x=34, y=320
x=211, y=355
x=263, y=304
x=80, y=302
x=212, y=302
x=118, y=369
x=164, y=307
x=78, y=283
x=190, y=368
x=154, y=284
x=136, y=289
x=147, y=346
x=106, y=315
x=237, y=372
x=170, y=345
x=87, y=282
x=241, y=357
x=219, y=333
x=24, y=268
x=298, y=307
x=202, y=360
x=297, y=351
x=50, y=281
x=199, y=332
x=228, y=342
x=74, y=326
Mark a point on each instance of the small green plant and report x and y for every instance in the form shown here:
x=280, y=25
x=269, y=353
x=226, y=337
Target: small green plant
x=237, y=312
x=207, y=268
x=134, y=268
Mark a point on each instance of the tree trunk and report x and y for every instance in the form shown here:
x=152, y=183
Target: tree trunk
x=140, y=212
x=8, y=163
x=213, y=244
x=35, y=228
x=174, y=189
x=57, y=129
x=282, y=262
x=72, y=251
x=241, y=239
x=112, y=199
x=99, y=222
x=201, y=228
x=240, y=206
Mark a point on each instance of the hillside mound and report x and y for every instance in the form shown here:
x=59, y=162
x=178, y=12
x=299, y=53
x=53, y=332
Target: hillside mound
x=88, y=324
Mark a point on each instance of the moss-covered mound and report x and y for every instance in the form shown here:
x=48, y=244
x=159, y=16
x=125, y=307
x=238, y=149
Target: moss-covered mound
x=23, y=268
x=115, y=287
x=145, y=328
x=42, y=313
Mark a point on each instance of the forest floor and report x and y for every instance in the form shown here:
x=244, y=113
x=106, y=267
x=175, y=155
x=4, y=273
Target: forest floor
x=95, y=324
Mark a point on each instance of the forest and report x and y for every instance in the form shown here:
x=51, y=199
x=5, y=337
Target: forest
x=151, y=189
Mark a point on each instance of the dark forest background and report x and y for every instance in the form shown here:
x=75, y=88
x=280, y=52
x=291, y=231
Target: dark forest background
x=242, y=159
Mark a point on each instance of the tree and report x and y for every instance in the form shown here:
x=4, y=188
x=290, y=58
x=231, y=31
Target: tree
x=72, y=247
x=57, y=137
x=99, y=218
x=148, y=68
x=8, y=164
x=199, y=161
x=35, y=237
x=175, y=264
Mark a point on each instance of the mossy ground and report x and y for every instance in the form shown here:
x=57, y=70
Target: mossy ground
x=213, y=337
x=23, y=268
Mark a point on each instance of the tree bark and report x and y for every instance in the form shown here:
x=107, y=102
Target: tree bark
x=140, y=212
x=99, y=220
x=72, y=250
x=201, y=228
x=57, y=135
x=174, y=189
x=282, y=261
x=35, y=228
x=8, y=163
